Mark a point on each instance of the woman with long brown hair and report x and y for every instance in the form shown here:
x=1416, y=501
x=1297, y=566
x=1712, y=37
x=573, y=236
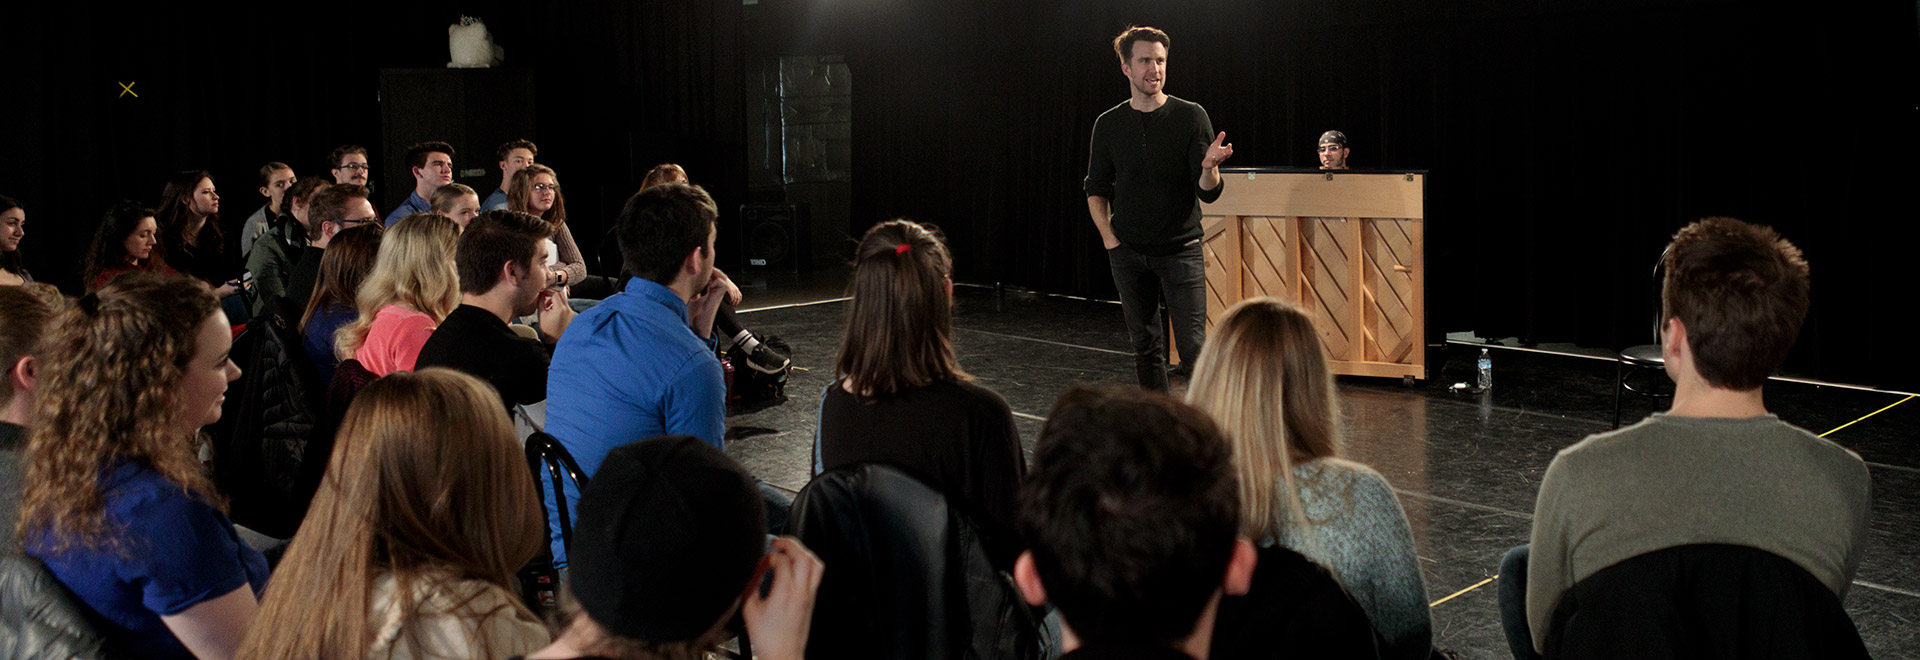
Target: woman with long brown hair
x=116, y=503
x=411, y=546
x=13, y=227
x=536, y=190
x=191, y=237
x=344, y=266
x=412, y=288
x=125, y=241
x=1263, y=376
x=900, y=396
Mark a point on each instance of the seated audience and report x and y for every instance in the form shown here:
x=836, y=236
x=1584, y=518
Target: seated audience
x=901, y=397
x=275, y=179
x=1714, y=468
x=641, y=363
x=412, y=288
x=412, y=544
x=191, y=238
x=330, y=210
x=349, y=164
x=116, y=502
x=432, y=167
x=456, y=202
x=536, y=190
x=513, y=155
x=13, y=227
x=345, y=267
x=124, y=242
x=501, y=278
x=280, y=249
x=1132, y=514
x=670, y=545
x=1263, y=377
x=26, y=318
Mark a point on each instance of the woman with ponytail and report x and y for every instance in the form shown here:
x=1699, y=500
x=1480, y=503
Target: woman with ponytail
x=900, y=396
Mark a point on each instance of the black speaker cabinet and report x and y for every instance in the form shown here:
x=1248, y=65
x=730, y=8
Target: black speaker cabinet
x=475, y=110
x=776, y=236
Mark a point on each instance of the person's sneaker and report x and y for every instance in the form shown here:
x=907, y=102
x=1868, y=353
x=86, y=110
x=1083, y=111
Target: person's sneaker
x=765, y=360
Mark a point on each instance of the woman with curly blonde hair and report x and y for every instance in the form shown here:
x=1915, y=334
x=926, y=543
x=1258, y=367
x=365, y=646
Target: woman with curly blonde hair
x=115, y=502
x=413, y=287
x=1263, y=376
x=411, y=546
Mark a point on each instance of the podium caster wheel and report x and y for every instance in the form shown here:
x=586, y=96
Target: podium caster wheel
x=1406, y=381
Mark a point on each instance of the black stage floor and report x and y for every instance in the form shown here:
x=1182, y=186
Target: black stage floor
x=1466, y=466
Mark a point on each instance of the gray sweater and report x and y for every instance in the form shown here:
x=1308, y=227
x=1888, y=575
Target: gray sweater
x=1670, y=481
x=1356, y=528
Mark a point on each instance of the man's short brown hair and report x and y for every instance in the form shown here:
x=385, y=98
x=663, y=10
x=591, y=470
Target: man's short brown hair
x=507, y=149
x=329, y=204
x=493, y=238
x=339, y=154
x=1123, y=44
x=1741, y=291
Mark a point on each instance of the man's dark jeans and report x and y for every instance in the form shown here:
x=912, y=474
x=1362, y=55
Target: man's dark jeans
x=1511, y=593
x=1181, y=278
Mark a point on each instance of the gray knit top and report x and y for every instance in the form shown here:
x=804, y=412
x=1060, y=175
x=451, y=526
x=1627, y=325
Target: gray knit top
x=1356, y=528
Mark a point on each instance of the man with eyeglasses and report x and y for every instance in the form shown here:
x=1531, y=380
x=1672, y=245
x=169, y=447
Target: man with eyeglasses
x=333, y=209
x=1333, y=150
x=348, y=162
x=432, y=167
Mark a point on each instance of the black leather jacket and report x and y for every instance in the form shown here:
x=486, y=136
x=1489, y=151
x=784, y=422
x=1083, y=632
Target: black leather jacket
x=39, y=618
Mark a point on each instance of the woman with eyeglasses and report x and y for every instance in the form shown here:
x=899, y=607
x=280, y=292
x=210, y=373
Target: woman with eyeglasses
x=536, y=190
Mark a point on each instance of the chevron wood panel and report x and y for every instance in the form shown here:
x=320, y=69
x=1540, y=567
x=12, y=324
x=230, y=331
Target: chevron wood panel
x=1361, y=278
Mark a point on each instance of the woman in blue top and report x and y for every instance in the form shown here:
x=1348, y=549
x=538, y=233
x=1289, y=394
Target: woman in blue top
x=115, y=501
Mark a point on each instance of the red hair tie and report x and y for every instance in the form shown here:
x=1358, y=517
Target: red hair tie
x=902, y=248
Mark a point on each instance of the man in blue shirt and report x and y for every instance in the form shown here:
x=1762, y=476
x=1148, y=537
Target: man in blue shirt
x=513, y=156
x=432, y=165
x=641, y=364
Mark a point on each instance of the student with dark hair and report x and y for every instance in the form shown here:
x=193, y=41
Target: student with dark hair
x=13, y=227
x=191, y=238
x=26, y=319
x=1132, y=514
x=116, y=502
x=670, y=545
x=330, y=210
x=348, y=163
x=500, y=279
x=513, y=155
x=641, y=363
x=276, y=254
x=126, y=241
x=432, y=167
x=456, y=202
x=900, y=397
x=275, y=179
x=1717, y=467
x=344, y=266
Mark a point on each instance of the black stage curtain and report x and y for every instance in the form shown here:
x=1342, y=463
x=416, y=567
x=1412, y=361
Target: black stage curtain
x=622, y=86
x=1566, y=140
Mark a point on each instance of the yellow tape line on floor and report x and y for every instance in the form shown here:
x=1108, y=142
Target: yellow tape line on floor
x=1457, y=594
x=1876, y=412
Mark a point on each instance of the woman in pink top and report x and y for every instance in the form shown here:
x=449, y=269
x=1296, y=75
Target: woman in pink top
x=413, y=286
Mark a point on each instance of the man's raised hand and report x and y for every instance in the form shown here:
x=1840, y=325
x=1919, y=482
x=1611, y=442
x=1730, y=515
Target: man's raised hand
x=1218, y=152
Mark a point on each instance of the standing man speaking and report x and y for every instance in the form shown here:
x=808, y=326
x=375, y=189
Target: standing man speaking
x=1155, y=158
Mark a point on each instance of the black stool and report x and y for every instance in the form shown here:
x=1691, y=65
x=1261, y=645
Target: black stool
x=1633, y=360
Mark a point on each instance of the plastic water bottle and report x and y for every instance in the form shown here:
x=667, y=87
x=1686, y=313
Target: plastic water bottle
x=1485, y=366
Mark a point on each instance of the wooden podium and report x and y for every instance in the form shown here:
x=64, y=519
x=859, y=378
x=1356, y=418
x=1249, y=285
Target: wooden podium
x=1344, y=246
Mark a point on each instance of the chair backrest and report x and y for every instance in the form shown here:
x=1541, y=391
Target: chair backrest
x=1702, y=601
x=546, y=455
x=39, y=618
x=1294, y=608
x=911, y=576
